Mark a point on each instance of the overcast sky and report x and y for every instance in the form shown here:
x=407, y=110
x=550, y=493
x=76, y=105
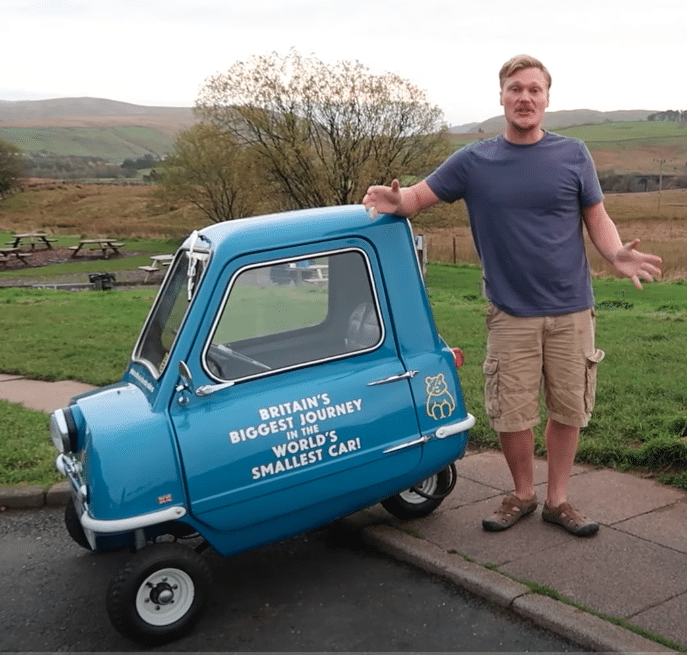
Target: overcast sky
x=603, y=54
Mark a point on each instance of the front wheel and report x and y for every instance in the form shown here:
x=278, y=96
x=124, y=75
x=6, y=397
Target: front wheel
x=160, y=594
x=74, y=527
x=423, y=498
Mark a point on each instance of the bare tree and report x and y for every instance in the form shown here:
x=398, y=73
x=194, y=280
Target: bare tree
x=324, y=132
x=208, y=169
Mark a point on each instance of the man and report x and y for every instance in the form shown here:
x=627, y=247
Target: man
x=528, y=193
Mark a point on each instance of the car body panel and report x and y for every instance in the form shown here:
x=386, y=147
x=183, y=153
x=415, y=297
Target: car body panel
x=260, y=402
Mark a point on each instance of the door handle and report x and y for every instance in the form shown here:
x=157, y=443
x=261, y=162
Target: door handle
x=408, y=444
x=394, y=378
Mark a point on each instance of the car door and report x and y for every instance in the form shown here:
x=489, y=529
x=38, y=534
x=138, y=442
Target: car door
x=308, y=399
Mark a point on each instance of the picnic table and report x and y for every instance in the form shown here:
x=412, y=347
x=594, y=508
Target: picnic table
x=105, y=244
x=31, y=238
x=5, y=254
x=159, y=262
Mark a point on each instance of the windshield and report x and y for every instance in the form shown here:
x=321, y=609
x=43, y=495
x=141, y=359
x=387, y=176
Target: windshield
x=169, y=311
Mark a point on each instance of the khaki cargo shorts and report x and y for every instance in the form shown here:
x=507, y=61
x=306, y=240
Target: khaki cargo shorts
x=530, y=356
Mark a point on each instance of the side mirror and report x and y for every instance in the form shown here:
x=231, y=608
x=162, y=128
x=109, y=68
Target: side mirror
x=204, y=390
x=186, y=377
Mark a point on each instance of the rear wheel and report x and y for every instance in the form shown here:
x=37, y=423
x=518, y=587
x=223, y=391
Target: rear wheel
x=160, y=594
x=423, y=498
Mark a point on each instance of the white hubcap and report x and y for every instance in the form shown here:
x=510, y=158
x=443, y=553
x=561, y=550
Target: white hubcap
x=165, y=597
x=428, y=486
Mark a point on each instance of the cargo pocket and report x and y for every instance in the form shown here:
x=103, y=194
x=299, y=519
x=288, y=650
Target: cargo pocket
x=491, y=387
x=590, y=384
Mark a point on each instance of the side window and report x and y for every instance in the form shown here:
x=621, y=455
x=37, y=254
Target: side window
x=291, y=313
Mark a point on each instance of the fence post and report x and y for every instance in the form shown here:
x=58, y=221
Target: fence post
x=421, y=248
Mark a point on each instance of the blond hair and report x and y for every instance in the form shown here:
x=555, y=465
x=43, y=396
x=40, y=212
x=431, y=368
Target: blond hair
x=519, y=62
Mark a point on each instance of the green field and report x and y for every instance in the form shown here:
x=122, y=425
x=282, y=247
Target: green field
x=629, y=147
x=116, y=143
x=113, y=144
x=626, y=131
x=640, y=419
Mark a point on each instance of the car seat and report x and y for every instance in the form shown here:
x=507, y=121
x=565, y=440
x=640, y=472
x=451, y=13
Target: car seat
x=363, y=328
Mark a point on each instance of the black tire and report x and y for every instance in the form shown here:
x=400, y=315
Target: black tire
x=160, y=594
x=74, y=527
x=411, y=505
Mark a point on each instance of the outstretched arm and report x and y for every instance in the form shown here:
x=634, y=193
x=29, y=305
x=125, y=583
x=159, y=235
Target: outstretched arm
x=625, y=259
x=402, y=201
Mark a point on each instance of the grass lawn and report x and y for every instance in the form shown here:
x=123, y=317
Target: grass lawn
x=27, y=455
x=62, y=335
x=640, y=419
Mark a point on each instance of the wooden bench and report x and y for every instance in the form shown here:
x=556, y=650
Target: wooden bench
x=318, y=274
x=6, y=252
x=159, y=262
x=150, y=270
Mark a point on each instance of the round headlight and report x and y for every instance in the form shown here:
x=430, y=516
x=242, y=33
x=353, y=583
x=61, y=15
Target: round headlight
x=62, y=429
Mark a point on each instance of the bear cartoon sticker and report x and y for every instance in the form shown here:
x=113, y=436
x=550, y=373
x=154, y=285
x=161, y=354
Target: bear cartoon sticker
x=440, y=402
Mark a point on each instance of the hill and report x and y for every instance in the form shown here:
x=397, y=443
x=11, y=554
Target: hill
x=87, y=112
x=91, y=127
x=622, y=142
x=569, y=118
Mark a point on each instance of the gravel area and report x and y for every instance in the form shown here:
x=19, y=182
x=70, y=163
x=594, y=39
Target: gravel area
x=47, y=257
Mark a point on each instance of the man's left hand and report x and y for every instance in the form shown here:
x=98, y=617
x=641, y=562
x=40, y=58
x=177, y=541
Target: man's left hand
x=635, y=265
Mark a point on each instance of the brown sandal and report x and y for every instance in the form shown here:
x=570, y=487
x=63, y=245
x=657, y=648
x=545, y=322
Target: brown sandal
x=512, y=509
x=568, y=517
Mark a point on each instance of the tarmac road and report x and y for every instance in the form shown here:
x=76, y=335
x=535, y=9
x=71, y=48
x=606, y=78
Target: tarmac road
x=324, y=591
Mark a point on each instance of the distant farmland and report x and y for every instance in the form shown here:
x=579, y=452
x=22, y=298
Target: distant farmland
x=92, y=127
x=625, y=147
x=620, y=142
x=113, y=144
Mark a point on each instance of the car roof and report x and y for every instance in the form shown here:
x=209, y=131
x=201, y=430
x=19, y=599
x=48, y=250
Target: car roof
x=288, y=228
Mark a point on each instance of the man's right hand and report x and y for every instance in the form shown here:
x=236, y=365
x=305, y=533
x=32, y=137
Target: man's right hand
x=406, y=201
x=383, y=199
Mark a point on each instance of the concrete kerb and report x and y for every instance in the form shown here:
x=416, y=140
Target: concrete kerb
x=579, y=626
x=34, y=496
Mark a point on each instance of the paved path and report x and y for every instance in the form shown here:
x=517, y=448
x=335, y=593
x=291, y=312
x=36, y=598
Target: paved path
x=634, y=569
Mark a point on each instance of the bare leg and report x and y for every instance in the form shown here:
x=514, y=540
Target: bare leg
x=561, y=445
x=518, y=449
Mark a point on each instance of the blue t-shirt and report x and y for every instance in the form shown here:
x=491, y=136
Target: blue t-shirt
x=524, y=204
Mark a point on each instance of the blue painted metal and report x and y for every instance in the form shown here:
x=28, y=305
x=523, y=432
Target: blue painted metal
x=283, y=450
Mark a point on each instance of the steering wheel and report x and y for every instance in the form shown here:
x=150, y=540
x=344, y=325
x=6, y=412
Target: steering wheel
x=220, y=356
